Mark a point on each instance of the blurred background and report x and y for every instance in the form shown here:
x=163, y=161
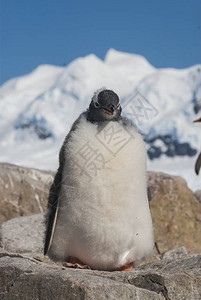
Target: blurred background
x=54, y=54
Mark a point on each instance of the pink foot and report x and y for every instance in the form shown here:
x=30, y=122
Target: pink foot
x=75, y=263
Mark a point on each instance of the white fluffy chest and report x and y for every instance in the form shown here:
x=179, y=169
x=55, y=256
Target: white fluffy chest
x=103, y=154
x=105, y=166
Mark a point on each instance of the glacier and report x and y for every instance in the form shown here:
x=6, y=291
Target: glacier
x=38, y=109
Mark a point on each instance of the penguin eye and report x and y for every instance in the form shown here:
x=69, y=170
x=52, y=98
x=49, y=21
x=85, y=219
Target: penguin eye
x=96, y=104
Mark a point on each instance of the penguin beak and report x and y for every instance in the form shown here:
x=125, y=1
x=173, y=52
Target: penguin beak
x=198, y=120
x=110, y=110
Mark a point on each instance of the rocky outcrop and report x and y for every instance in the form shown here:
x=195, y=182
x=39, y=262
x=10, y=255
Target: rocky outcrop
x=176, y=213
x=23, y=191
x=28, y=278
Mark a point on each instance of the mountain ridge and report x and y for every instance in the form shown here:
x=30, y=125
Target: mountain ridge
x=39, y=108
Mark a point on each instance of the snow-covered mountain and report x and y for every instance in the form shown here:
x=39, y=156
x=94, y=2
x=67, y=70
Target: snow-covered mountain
x=37, y=110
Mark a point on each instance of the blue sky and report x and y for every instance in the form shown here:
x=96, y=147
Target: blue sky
x=34, y=32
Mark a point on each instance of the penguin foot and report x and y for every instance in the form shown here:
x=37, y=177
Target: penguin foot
x=127, y=267
x=75, y=263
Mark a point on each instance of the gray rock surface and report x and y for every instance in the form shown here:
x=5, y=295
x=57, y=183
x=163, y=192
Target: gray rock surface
x=23, y=191
x=23, y=234
x=25, y=278
x=180, y=252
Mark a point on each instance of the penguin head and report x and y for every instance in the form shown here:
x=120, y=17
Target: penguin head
x=104, y=106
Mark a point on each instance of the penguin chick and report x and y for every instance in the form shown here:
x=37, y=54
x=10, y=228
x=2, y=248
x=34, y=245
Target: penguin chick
x=98, y=211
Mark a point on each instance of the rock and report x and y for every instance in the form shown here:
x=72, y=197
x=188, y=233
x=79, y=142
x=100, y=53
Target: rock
x=176, y=213
x=23, y=234
x=197, y=195
x=25, y=278
x=23, y=191
x=175, y=253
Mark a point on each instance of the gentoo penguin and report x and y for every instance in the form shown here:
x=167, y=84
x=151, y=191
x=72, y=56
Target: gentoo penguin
x=198, y=161
x=98, y=211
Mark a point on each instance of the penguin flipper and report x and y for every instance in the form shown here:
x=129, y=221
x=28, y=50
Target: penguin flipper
x=198, y=164
x=52, y=209
x=53, y=199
